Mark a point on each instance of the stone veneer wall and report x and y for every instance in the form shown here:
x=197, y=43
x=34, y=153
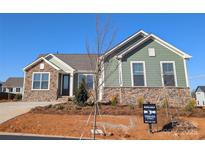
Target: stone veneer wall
x=177, y=97
x=41, y=95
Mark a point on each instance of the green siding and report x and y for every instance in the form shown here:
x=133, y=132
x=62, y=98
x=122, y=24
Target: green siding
x=111, y=64
x=152, y=64
x=111, y=72
x=58, y=64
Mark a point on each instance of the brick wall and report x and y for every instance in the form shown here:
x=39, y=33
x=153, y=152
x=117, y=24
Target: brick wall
x=176, y=96
x=41, y=95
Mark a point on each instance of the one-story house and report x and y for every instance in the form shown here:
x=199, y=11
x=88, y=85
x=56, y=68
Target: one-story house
x=200, y=96
x=141, y=65
x=13, y=85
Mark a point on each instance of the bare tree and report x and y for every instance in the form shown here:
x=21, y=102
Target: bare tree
x=105, y=36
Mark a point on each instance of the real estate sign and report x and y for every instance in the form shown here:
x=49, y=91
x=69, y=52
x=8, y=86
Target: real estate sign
x=150, y=113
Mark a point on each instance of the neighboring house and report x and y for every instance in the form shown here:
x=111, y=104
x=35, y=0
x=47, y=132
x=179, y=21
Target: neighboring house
x=13, y=85
x=200, y=96
x=141, y=65
x=1, y=89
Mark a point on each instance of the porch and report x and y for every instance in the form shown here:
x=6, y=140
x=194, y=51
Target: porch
x=65, y=85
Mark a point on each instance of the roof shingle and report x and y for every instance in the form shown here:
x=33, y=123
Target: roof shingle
x=14, y=82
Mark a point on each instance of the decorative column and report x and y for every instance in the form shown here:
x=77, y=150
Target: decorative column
x=71, y=83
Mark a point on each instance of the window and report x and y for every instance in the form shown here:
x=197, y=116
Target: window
x=40, y=81
x=168, y=73
x=18, y=90
x=11, y=90
x=88, y=80
x=151, y=52
x=138, y=77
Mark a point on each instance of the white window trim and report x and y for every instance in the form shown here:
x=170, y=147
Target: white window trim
x=175, y=75
x=144, y=67
x=86, y=75
x=40, y=82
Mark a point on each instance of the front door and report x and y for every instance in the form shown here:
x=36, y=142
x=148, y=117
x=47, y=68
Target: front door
x=66, y=85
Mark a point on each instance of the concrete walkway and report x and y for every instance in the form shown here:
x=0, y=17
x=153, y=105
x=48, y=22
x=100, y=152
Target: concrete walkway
x=10, y=110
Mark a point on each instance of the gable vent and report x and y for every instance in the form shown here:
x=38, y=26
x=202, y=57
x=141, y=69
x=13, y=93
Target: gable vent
x=151, y=52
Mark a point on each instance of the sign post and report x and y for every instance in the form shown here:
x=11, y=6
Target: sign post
x=150, y=115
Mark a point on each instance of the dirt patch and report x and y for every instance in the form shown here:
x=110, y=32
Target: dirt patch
x=122, y=127
x=123, y=122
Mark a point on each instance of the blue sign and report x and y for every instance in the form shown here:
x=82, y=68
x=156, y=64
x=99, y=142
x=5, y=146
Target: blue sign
x=150, y=113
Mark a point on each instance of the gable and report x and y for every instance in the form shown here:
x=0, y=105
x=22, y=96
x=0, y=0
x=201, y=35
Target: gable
x=135, y=38
x=157, y=39
x=56, y=61
x=38, y=61
x=200, y=89
x=161, y=53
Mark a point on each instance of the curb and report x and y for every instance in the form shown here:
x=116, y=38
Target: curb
x=39, y=135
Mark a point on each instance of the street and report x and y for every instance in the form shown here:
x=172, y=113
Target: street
x=17, y=137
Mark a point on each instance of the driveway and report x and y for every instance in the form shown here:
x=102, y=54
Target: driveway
x=12, y=109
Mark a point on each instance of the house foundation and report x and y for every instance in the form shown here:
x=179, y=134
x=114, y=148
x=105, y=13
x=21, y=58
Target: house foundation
x=177, y=97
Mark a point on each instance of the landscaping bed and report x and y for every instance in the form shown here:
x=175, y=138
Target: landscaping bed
x=119, y=121
x=72, y=109
x=8, y=97
x=119, y=127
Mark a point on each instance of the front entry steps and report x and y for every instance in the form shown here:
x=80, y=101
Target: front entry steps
x=64, y=99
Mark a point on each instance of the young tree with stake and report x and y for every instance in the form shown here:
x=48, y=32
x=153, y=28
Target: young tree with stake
x=103, y=42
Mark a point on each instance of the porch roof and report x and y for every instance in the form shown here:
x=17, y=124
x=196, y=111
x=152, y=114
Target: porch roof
x=80, y=62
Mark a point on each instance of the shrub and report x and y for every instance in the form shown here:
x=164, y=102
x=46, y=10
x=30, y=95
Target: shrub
x=190, y=105
x=49, y=106
x=113, y=101
x=132, y=106
x=18, y=97
x=11, y=96
x=140, y=101
x=81, y=94
x=165, y=103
